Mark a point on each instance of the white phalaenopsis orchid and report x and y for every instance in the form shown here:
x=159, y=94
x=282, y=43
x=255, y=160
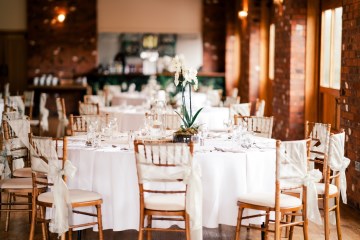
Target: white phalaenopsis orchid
x=189, y=76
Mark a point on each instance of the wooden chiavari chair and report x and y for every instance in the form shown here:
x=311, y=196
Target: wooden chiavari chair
x=79, y=124
x=19, y=185
x=278, y=202
x=242, y=109
x=95, y=99
x=29, y=103
x=329, y=188
x=261, y=126
x=43, y=199
x=155, y=203
x=89, y=108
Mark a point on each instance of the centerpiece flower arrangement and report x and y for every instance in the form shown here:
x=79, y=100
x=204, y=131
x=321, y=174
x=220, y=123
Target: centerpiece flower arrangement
x=185, y=78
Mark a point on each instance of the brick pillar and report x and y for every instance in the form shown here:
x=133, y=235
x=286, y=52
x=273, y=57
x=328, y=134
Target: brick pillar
x=289, y=82
x=350, y=93
x=250, y=53
x=214, y=31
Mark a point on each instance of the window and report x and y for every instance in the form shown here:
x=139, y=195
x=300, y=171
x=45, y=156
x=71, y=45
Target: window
x=331, y=31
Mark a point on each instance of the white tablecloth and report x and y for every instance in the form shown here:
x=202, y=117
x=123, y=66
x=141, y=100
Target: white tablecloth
x=133, y=118
x=213, y=117
x=128, y=118
x=112, y=173
x=133, y=99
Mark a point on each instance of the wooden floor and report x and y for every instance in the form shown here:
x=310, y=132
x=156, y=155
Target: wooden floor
x=350, y=221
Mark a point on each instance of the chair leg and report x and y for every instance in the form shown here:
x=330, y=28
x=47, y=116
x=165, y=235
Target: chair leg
x=277, y=225
x=8, y=212
x=267, y=219
x=33, y=220
x=287, y=229
x=99, y=219
x=149, y=218
x=70, y=232
x=238, y=224
x=44, y=229
x=337, y=213
x=141, y=225
x=326, y=218
x=187, y=226
x=30, y=206
x=305, y=228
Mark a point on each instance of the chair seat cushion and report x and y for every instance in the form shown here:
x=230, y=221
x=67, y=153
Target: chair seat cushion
x=26, y=173
x=268, y=200
x=76, y=196
x=320, y=187
x=165, y=202
x=16, y=183
x=34, y=122
x=22, y=172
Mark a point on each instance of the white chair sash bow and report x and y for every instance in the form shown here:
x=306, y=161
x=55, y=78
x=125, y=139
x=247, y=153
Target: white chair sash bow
x=294, y=173
x=338, y=162
x=62, y=209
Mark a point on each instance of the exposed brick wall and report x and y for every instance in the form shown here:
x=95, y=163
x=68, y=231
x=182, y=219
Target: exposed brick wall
x=250, y=53
x=289, y=83
x=64, y=49
x=350, y=100
x=214, y=34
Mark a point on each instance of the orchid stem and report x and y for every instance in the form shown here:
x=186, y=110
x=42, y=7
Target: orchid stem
x=190, y=101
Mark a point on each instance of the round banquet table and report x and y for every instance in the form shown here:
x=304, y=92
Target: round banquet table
x=111, y=171
x=133, y=99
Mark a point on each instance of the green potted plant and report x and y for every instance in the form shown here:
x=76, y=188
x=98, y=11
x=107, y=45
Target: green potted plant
x=185, y=78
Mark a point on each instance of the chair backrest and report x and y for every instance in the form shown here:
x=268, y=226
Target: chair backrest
x=243, y=109
x=162, y=162
x=259, y=108
x=261, y=126
x=15, y=103
x=60, y=106
x=231, y=100
x=95, y=99
x=79, y=124
x=291, y=166
x=172, y=121
x=29, y=102
x=43, y=150
x=89, y=108
x=14, y=142
x=320, y=141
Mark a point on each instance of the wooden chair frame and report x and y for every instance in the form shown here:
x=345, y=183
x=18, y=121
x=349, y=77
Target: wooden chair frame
x=280, y=213
x=43, y=205
x=78, y=124
x=14, y=193
x=254, y=127
x=328, y=177
x=180, y=215
x=94, y=108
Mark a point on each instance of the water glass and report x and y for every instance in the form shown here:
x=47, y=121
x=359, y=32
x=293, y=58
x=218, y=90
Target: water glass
x=131, y=138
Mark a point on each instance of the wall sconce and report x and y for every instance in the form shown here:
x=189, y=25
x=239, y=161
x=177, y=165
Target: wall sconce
x=61, y=17
x=243, y=14
x=279, y=2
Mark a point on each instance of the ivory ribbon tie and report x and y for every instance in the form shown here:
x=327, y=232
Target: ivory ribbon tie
x=62, y=210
